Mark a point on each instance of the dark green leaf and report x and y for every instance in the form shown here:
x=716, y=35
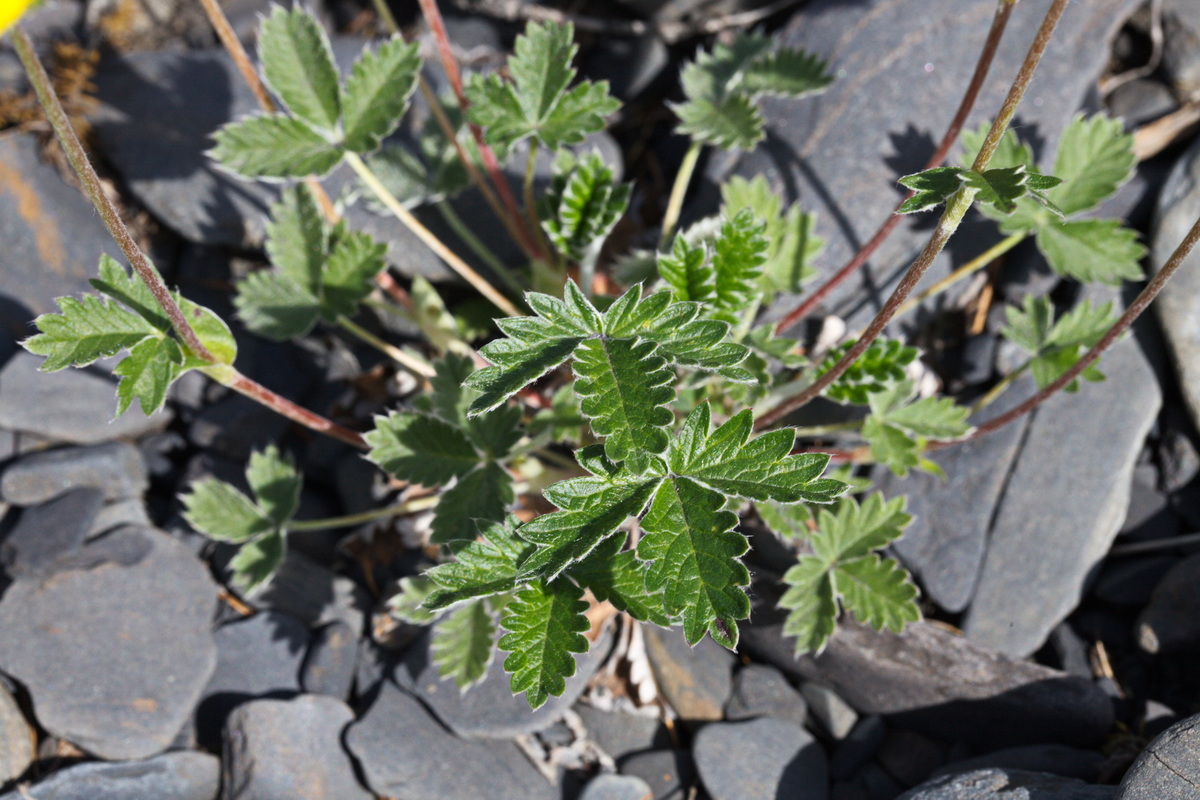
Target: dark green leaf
x=481, y=496
x=377, y=93
x=297, y=238
x=932, y=188
x=420, y=448
x=85, y=329
x=353, y=263
x=483, y=568
x=616, y=576
x=545, y=624
x=146, y=374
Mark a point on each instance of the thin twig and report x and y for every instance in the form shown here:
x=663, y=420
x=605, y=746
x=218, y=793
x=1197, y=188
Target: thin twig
x=417, y=366
x=678, y=191
x=956, y=209
x=280, y=404
x=982, y=67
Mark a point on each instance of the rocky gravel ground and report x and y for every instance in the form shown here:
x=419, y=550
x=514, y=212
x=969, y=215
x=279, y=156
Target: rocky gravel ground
x=1057, y=563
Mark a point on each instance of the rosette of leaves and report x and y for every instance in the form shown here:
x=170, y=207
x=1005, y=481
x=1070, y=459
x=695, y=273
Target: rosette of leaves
x=256, y=525
x=436, y=444
x=722, y=88
x=844, y=568
x=1055, y=345
x=124, y=315
x=319, y=271
x=322, y=117
x=1094, y=158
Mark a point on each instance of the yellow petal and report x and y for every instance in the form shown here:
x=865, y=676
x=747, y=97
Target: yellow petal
x=10, y=10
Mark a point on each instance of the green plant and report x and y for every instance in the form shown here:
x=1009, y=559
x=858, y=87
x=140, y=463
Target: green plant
x=658, y=430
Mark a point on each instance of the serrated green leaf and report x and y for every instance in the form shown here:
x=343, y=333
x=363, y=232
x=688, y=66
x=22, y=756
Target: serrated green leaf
x=436, y=322
x=420, y=448
x=616, y=576
x=1095, y=156
x=481, y=496
x=880, y=366
x=694, y=552
x=537, y=103
x=463, y=644
x=377, y=93
x=274, y=146
x=999, y=187
x=354, y=260
x=785, y=520
x=1056, y=346
x=891, y=446
x=853, y=529
x=688, y=271
x=1010, y=152
x=85, y=329
x=931, y=187
x=545, y=624
x=734, y=123
x=719, y=109
x=406, y=604
x=787, y=72
x=793, y=243
x=485, y=567
x=624, y=389
x=147, y=373
x=759, y=468
x=276, y=484
x=221, y=512
x=297, y=237
x=297, y=64
x=1092, y=250
x=739, y=252
x=582, y=207
x=812, y=601
x=275, y=306
x=932, y=417
x=878, y=592
x=257, y=560
x=128, y=289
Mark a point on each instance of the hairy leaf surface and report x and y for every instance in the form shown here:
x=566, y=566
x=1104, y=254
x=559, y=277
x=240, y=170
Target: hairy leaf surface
x=545, y=624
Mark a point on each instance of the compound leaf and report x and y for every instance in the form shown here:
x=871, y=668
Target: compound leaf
x=931, y=188
x=481, y=496
x=787, y=72
x=878, y=592
x=482, y=568
x=420, y=448
x=274, y=146
x=463, y=643
x=297, y=239
x=1092, y=250
x=545, y=624
x=616, y=576
x=812, y=601
x=276, y=484
x=733, y=123
x=688, y=271
x=793, y=244
x=377, y=93
x=739, y=252
x=222, y=512
x=147, y=372
x=1056, y=345
x=84, y=330
x=297, y=64
x=881, y=365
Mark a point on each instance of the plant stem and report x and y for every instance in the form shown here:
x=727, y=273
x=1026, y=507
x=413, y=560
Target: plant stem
x=350, y=520
x=530, y=202
x=280, y=404
x=417, y=366
x=982, y=67
x=822, y=430
x=1144, y=298
x=104, y=206
x=974, y=265
x=425, y=235
x=956, y=209
x=678, y=191
x=464, y=232
x=384, y=13
x=994, y=393
x=433, y=18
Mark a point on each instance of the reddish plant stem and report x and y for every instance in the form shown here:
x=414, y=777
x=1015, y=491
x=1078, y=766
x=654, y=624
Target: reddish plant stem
x=256, y=391
x=1135, y=309
x=956, y=208
x=95, y=191
x=433, y=18
x=982, y=67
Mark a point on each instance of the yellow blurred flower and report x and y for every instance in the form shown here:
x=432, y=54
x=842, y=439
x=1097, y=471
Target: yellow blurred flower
x=10, y=10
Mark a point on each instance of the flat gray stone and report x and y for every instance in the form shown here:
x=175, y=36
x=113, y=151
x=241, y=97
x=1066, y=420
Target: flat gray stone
x=404, y=752
x=173, y=776
x=833, y=713
x=115, y=468
x=1178, y=208
x=1169, y=769
x=16, y=739
x=616, y=787
x=760, y=758
x=1057, y=518
x=331, y=662
x=620, y=733
x=944, y=546
x=1007, y=784
x=902, y=69
x=1170, y=622
x=312, y=593
x=115, y=653
x=695, y=681
x=1057, y=759
x=47, y=533
x=75, y=406
x=671, y=774
x=763, y=691
x=289, y=748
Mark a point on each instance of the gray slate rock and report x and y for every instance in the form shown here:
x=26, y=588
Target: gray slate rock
x=763, y=691
x=289, y=748
x=1007, y=784
x=909, y=757
x=944, y=685
x=1181, y=45
x=332, y=660
x=1169, y=769
x=616, y=787
x=671, y=774
x=944, y=547
x=835, y=715
x=116, y=653
x=171, y=776
x=1178, y=207
x=619, y=734
x=1057, y=759
x=16, y=739
x=490, y=710
x=49, y=532
x=75, y=406
x=855, y=750
x=1042, y=547
x=902, y=66
x=257, y=658
x=312, y=593
x=695, y=681
x=115, y=468
x=760, y=758
x=404, y=752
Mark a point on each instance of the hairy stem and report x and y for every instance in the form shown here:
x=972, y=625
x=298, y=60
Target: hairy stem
x=679, y=188
x=956, y=208
x=280, y=404
x=417, y=366
x=431, y=241
x=970, y=268
x=982, y=67
x=95, y=191
x=350, y=520
x=1135, y=309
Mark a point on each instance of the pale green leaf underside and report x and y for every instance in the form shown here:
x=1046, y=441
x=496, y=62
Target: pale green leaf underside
x=274, y=146
x=297, y=64
x=1092, y=250
x=377, y=93
x=463, y=643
